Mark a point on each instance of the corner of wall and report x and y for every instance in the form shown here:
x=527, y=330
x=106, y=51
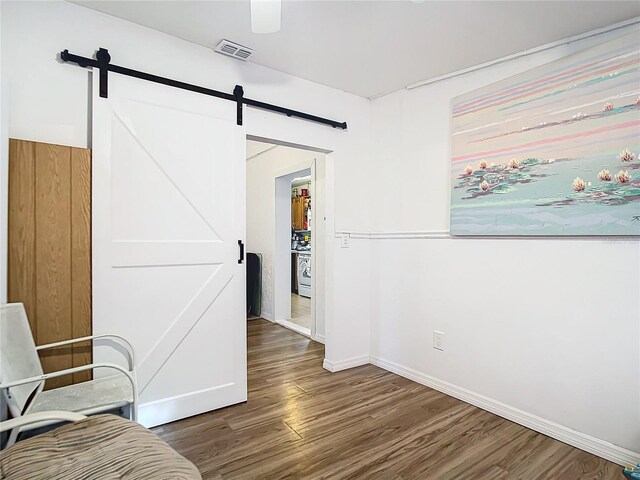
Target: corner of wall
x=4, y=185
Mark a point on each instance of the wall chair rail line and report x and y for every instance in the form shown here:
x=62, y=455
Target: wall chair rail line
x=23, y=379
x=103, y=59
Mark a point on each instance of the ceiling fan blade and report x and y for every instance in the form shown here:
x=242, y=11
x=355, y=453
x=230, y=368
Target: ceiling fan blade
x=265, y=16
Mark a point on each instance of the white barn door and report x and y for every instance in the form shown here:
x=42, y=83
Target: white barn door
x=168, y=211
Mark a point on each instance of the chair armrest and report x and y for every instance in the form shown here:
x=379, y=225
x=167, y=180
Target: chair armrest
x=122, y=340
x=40, y=417
x=91, y=366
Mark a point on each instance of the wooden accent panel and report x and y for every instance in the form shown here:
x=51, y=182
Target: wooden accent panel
x=53, y=256
x=21, y=259
x=81, y=257
x=50, y=248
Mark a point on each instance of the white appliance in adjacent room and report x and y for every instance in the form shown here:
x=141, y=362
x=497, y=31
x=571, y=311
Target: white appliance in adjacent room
x=304, y=274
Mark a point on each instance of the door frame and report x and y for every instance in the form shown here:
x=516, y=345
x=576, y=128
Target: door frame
x=322, y=242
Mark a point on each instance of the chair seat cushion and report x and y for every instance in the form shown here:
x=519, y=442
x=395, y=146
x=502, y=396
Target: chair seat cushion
x=103, y=447
x=89, y=397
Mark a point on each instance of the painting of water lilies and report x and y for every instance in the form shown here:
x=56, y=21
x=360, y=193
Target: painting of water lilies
x=553, y=151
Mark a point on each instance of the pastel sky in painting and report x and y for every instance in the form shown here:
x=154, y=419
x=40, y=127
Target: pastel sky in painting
x=552, y=151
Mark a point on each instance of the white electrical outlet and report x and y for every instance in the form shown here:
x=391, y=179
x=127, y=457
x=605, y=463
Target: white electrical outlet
x=344, y=240
x=438, y=340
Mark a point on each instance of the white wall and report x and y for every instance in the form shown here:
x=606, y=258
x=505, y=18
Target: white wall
x=4, y=193
x=262, y=171
x=547, y=326
x=49, y=103
x=4, y=174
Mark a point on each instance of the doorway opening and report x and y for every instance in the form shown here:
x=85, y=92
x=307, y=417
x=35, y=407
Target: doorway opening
x=298, y=186
x=285, y=236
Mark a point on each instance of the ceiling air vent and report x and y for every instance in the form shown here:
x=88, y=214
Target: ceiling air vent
x=234, y=50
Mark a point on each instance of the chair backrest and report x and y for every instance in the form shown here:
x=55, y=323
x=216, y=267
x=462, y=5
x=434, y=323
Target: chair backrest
x=18, y=356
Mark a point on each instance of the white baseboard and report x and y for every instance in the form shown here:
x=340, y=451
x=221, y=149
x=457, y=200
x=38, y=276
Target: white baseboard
x=590, y=444
x=294, y=327
x=318, y=338
x=344, y=364
x=267, y=316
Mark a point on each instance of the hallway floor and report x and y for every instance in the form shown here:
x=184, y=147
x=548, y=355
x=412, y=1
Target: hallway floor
x=302, y=422
x=301, y=310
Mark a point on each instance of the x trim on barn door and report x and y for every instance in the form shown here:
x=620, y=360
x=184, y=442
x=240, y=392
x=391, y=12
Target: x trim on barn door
x=162, y=253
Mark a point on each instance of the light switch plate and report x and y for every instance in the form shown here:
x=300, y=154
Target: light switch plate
x=438, y=340
x=344, y=240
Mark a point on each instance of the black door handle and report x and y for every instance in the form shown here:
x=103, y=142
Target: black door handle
x=241, y=245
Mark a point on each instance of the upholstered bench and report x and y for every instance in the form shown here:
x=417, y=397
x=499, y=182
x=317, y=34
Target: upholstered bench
x=102, y=447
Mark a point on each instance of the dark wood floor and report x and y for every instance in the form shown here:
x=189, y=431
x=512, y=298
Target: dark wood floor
x=364, y=423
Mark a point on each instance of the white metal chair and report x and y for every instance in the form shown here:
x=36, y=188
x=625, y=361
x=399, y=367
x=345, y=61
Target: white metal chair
x=22, y=378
